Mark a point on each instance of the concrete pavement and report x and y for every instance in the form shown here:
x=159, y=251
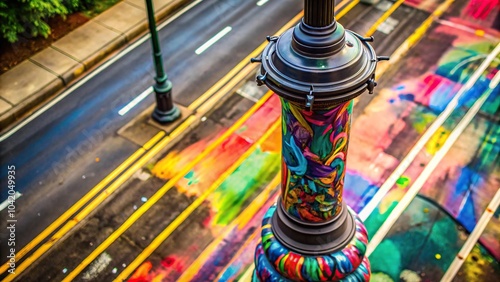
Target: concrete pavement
x=28, y=85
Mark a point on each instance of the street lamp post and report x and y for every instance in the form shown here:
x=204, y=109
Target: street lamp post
x=317, y=69
x=165, y=110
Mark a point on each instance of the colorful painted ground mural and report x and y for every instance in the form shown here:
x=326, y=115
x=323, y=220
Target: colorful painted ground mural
x=240, y=179
x=464, y=182
x=423, y=244
x=481, y=9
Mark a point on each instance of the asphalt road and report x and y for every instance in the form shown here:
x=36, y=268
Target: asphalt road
x=68, y=149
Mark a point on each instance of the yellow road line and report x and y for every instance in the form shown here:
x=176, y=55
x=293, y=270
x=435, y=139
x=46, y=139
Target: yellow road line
x=372, y=30
x=191, y=208
x=151, y=201
x=134, y=166
x=154, y=140
x=103, y=196
x=413, y=39
x=73, y=209
x=239, y=223
x=347, y=9
x=384, y=17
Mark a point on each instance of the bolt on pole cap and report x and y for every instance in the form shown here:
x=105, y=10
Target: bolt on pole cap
x=318, y=62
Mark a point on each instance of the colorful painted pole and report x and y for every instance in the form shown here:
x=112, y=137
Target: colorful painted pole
x=317, y=69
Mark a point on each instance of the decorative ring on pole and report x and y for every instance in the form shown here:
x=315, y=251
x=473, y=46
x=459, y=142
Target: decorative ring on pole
x=349, y=263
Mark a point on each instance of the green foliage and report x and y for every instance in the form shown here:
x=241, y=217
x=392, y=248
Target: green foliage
x=97, y=7
x=29, y=17
x=80, y=5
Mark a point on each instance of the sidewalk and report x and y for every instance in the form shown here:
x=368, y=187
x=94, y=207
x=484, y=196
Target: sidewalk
x=28, y=85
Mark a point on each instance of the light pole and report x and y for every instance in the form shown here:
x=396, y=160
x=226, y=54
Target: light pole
x=165, y=110
x=317, y=69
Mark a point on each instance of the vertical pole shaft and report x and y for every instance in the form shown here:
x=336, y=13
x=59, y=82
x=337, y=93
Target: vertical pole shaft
x=319, y=13
x=165, y=110
x=161, y=76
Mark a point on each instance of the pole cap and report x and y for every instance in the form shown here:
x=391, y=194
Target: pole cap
x=318, y=66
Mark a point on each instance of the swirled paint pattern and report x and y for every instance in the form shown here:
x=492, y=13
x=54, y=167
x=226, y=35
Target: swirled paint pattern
x=274, y=262
x=314, y=160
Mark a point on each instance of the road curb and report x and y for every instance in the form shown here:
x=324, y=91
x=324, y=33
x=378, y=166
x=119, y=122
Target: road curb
x=36, y=100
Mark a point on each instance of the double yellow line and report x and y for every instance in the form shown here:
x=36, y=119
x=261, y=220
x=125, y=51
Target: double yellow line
x=163, y=190
x=191, y=208
x=147, y=153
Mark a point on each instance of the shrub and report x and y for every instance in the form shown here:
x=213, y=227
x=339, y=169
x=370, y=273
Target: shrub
x=29, y=17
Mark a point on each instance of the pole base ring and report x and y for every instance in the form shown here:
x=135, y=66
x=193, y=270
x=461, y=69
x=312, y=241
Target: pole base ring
x=166, y=117
x=274, y=262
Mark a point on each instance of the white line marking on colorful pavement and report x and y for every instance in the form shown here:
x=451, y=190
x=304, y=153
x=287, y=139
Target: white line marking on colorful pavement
x=478, y=32
x=405, y=163
x=481, y=224
x=472, y=240
x=428, y=170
